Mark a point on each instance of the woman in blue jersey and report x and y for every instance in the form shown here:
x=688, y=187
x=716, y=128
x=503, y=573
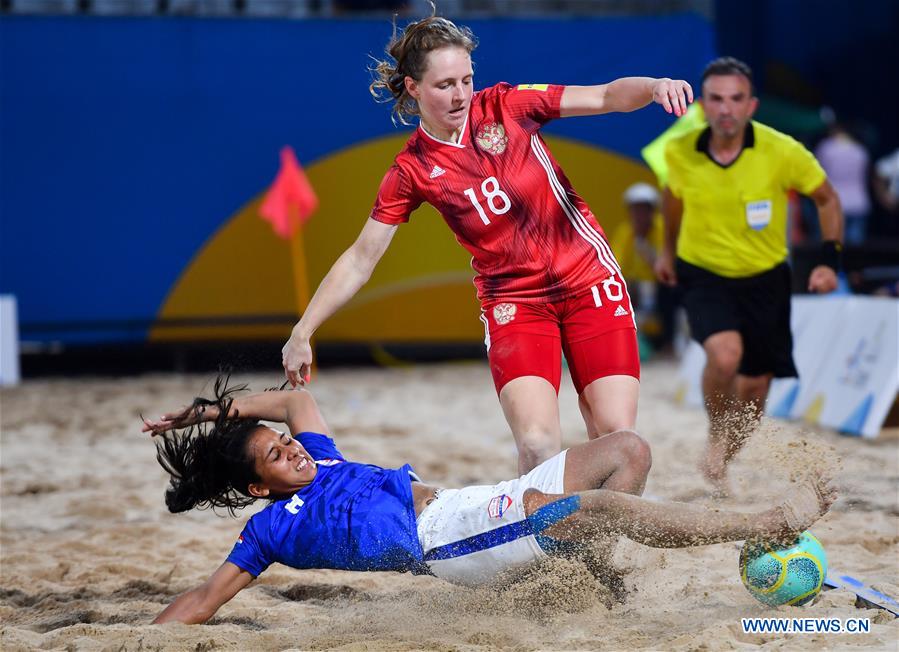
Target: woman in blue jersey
x=327, y=512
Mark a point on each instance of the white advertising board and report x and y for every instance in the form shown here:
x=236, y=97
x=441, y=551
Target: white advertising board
x=9, y=341
x=846, y=349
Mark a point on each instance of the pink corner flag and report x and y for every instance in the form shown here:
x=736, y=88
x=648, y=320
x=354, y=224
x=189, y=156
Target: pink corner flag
x=291, y=200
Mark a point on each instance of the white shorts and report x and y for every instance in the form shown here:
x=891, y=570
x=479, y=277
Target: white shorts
x=452, y=529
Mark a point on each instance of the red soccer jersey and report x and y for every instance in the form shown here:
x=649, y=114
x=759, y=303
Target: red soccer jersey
x=531, y=236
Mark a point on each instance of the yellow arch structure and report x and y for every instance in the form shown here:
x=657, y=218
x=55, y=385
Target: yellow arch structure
x=239, y=285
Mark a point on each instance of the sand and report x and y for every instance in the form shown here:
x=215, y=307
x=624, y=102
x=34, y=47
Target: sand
x=90, y=555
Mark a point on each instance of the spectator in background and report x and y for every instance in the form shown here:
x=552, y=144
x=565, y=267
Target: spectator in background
x=845, y=160
x=886, y=182
x=882, y=278
x=638, y=242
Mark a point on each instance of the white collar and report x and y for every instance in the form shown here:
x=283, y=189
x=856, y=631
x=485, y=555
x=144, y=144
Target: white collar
x=459, y=144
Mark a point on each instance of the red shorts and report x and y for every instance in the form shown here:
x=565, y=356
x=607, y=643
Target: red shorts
x=596, y=330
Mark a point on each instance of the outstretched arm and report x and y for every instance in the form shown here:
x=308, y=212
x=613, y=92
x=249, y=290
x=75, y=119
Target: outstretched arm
x=351, y=271
x=201, y=603
x=296, y=408
x=627, y=94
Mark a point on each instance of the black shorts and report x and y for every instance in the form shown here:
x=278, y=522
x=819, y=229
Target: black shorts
x=758, y=307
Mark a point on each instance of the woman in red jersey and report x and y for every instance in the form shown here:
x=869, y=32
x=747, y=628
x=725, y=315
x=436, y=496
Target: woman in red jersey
x=546, y=277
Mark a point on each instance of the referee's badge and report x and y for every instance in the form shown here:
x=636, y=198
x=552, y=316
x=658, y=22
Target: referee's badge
x=492, y=138
x=758, y=214
x=503, y=313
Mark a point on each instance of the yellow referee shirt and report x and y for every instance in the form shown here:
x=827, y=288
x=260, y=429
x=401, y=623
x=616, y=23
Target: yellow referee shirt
x=734, y=222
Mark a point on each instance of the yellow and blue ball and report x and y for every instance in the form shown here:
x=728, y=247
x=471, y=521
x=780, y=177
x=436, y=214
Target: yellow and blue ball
x=791, y=575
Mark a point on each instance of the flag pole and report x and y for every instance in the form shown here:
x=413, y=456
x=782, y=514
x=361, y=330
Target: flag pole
x=298, y=264
x=300, y=276
x=288, y=204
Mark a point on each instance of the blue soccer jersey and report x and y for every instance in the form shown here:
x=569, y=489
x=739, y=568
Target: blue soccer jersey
x=351, y=517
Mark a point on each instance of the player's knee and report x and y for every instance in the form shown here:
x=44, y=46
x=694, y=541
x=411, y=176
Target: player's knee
x=536, y=445
x=614, y=423
x=534, y=499
x=635, y=452
x=530, y=458
x=724, y=361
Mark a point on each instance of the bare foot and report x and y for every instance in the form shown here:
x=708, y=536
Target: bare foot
x=713, y=467
x=809, y=502
x=597, y=558
x=613, y=579
x=607, y=573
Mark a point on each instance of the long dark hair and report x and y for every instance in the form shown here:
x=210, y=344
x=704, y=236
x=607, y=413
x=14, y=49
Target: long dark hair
x=209, y=463
x=408, y=57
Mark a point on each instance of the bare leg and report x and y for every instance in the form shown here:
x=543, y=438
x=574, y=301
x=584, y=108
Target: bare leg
x=752, y=391
x=531, y=407
x=723, y=353
x=587, y=414
x=678, y=525
x=609, y=404
x=618, y=461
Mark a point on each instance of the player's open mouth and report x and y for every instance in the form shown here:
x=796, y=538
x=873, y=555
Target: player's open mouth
x=303, y=464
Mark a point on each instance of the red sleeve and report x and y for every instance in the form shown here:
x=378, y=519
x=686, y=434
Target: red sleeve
x=396, y=198
x=531, y=105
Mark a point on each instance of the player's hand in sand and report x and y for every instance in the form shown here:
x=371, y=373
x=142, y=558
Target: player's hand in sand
x=296, y=357
x=673, y=94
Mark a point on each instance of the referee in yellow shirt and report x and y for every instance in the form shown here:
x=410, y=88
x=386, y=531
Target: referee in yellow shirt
x=725, y=208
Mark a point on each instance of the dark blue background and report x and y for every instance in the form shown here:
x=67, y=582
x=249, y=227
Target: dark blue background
x=125, y=143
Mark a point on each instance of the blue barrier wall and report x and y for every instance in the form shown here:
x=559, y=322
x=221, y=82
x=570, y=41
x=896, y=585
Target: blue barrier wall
x=828, y=52
x=125, y=143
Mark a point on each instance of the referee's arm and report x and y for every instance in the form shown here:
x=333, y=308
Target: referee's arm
x=830, y=212
x=830, y=216
x=672, y=210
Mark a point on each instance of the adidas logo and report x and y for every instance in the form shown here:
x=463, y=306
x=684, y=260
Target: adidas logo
x=437, y=171
x=620, y=311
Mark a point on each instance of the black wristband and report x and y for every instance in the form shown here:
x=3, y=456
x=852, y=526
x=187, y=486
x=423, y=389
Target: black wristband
x=829, y=254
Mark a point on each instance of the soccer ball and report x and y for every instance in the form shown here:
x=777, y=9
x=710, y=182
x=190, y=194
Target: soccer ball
x=792, y=575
